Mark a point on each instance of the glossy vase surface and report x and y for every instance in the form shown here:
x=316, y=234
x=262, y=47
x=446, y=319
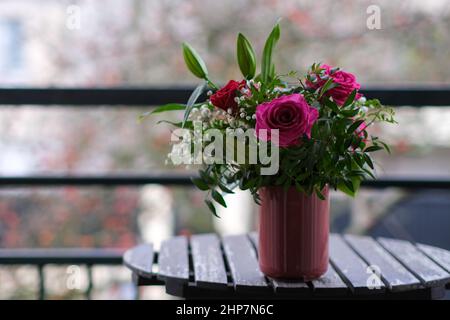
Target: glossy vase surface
x=293, y=233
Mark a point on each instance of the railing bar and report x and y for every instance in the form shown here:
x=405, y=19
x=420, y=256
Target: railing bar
x=90, y=282
x=397, y=96
x=41, y=281
x=60, y=256
x=184, y=180
x=137, y=292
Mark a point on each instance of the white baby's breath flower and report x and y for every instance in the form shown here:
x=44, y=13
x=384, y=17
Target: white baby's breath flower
x=254, y=116
x=362, y=99
x=248, y=118
x=242, y=115
x=236, y=99
x=230, y=111
x=239, y=131
x=209, y=93
x=194, y=114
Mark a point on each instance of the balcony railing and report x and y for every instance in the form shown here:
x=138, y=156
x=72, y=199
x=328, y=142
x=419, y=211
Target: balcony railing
x=39, y=258
x=113, y=97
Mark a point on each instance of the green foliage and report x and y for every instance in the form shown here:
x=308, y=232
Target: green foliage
x=246, y=57
x=192, y=100
x=194, y=63
x=267, y=66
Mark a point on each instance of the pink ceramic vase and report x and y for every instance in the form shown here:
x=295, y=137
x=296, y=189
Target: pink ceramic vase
x=293, y=233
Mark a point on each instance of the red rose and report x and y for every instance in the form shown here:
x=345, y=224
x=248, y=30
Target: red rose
x=224, y=98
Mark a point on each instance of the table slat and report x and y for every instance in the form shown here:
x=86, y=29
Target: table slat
x=440, y=256
x=173, y=259
x=330, y=283
x=209, y=266
x=353, y=269
x=396, y=277
x=281, y=286
x=417, y=262
x=140, y=259
x=243, y=264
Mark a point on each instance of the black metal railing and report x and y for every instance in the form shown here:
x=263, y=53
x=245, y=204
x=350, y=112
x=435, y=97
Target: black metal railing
x=39, y=258
x=112, y=97
x=81, y=97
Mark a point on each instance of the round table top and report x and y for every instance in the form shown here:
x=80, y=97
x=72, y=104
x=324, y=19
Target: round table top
x=209, y=266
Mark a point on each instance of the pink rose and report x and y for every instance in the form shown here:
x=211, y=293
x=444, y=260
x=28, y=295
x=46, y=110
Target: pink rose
x=290, y=114
x=346, y=83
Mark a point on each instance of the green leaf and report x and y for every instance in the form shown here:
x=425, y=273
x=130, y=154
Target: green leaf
x=329, y=84
x=211, y=207
x=350, y=99
x=246, y=57
x=169, y=107
x=354, y=126
x=388, y=149
x=199, y=183
x=349, y=113
x=266, y=63
x=193, y=99
x=224, y=188
x=320, y=195
x=373, y=148
x=299, y=187
x=205, y=175
x=193, y=61
x=332, y=105
x=368, y=161
x=218, y=198
x=369, y=173
x=349, y=187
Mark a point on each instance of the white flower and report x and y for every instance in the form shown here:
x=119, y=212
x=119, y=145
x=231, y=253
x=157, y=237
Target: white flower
x=241, y=110
x=254, y=116
x=247, y=118
x=194, y=114
x=236, y=99
x=362, y=99
x=209, y=93
x=230, y=111
x=242, y=115
x=205, y=113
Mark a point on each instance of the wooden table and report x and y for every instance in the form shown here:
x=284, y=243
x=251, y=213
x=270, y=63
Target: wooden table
x=206, y=266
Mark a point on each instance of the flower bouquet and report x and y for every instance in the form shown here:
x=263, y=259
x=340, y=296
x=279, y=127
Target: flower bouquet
x=287, y=139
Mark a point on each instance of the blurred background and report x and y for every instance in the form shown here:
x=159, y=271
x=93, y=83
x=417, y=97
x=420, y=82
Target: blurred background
x=123, y=43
